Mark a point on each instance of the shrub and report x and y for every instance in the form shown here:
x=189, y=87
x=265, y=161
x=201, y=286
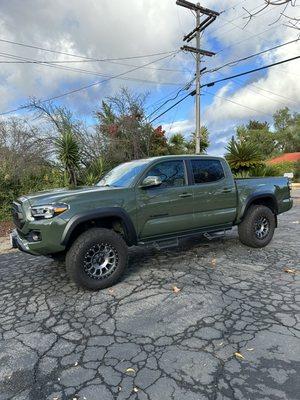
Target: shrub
x=13, y=186
x=297, y=172
x=243, y=156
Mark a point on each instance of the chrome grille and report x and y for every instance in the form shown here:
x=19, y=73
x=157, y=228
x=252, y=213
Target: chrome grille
x=17, y=215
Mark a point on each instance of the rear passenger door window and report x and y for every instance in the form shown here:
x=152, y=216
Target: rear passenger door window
x=206, y=171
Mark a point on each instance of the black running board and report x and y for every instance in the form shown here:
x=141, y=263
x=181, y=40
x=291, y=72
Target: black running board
x=173, y=241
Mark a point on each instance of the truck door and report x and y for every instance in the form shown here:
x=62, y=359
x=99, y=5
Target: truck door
x=168, y=208
x=214, y=193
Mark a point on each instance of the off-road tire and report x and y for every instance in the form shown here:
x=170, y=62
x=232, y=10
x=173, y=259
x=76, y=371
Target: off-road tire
x=78, y=257
x=249, y=231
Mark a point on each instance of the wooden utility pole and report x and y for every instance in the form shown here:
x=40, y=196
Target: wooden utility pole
x=195, y=33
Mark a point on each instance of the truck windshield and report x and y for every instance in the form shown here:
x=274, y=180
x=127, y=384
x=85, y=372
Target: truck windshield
x=123, y=175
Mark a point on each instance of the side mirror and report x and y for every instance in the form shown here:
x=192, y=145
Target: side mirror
x=151, y=181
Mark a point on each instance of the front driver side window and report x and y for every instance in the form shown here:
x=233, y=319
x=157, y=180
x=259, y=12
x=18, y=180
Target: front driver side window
x=171, y=173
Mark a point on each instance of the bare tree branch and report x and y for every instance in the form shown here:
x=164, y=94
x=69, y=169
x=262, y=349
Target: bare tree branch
x=283, y=5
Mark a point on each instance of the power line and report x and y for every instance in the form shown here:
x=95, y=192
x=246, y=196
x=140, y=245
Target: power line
x=236, y=103
x=187, y=86
x=267, y=91
x=84, y=57
x=251, y=56
x=84, y=87
x=249, y=72
x=172, y=106
x=58, y=62
x=84, y=71
x=193, y=92
x=234, y=19
x=248, y=38
x=239, y=83
x=232, y=7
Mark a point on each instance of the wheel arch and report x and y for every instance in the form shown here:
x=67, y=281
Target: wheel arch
x=267, y=199
x=108, y=217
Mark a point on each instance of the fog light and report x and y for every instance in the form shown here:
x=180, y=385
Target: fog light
x=36, y=236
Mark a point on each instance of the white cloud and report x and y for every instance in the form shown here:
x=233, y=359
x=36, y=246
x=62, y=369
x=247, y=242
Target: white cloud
x=96, y=29
x=114, y=28
x=262, y=96
x=185, y=127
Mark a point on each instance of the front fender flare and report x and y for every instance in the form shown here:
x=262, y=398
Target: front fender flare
x=104, y=212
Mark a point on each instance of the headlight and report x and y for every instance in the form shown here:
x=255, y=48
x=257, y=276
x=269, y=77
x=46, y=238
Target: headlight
x=48, y=210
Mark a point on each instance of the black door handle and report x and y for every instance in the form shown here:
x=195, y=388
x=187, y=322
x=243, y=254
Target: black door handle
x=185, y=195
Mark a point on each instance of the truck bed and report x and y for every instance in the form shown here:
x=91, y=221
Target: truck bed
x=277, y=188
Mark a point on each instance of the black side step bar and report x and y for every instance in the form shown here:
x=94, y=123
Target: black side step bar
x=164, y=243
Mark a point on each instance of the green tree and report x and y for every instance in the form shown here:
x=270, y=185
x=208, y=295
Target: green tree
x=287, y=130
x=125, y=133
x=258, y=134
x=242, y=156
x=68, y=153
x=66, y=138
x=204, y=141
x=158, y=145
x=177, y=144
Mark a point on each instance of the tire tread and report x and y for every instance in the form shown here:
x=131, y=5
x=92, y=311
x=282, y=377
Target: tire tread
x=76, y=251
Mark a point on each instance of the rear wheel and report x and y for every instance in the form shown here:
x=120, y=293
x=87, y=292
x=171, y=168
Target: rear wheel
x=257, y=228
x=97, y=259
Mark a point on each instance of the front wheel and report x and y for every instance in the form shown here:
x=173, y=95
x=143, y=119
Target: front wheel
x=257, y=228
x=97, y=259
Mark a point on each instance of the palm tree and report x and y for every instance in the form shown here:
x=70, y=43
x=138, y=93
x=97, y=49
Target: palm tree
x=177, y=144
x=67, y=144
x=242, y=156
x=68, y=153
x=94, y=171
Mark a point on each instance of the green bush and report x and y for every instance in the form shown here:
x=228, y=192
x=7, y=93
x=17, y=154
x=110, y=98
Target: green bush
x=43, y=178
x=278, y=169
x=297, y=171
x=283, y=167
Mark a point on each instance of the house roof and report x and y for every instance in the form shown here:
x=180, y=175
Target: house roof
x=293, y=157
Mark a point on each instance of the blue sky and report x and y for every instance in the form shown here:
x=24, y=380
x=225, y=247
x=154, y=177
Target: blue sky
x=112, y=29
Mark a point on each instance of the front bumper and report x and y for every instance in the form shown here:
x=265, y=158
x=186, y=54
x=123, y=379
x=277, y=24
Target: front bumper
x=17, y=243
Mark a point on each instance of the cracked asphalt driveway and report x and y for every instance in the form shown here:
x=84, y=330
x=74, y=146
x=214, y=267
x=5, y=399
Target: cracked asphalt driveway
x=142, y=340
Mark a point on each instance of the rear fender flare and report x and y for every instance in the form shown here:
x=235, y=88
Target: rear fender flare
x=264, y=196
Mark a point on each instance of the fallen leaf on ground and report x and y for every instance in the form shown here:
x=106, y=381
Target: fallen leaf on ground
x=110, y=291
x=176, y=289
x=135, y=389
x=290, y=270
x=239, y=355
x=130, y=370
x=250, y=349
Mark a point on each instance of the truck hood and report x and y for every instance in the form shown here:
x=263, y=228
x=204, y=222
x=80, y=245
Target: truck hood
x=61, y=194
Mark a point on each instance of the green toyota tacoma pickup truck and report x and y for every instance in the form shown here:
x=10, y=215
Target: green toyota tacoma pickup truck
x=155, y=200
